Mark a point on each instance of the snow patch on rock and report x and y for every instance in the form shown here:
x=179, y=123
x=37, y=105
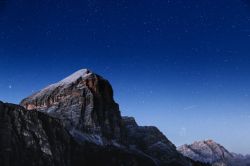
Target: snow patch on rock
x=83, y=74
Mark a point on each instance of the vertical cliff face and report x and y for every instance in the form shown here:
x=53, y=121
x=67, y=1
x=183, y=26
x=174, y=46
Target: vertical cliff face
x=31, y=138
x=84, y=101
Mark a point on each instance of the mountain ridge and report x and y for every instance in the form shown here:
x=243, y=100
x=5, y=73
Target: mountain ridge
x=209, y=151
x=83, y=103
x=31, y=138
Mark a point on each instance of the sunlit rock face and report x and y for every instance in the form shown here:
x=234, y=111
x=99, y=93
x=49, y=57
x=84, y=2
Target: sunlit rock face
x=84, y=101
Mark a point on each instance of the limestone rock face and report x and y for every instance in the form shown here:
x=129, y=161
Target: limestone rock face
x=32, y=138
x=213, y=153
x=24, y=137
x=84, y=101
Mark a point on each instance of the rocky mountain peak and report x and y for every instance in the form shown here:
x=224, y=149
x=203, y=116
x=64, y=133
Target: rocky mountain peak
x=64, y=83
x=82, y=73
x=208, y=151
x=83, y=104
x=83, y=101
x=129, y=121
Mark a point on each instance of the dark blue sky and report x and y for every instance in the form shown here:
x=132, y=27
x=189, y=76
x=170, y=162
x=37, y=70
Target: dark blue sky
x=182, y=65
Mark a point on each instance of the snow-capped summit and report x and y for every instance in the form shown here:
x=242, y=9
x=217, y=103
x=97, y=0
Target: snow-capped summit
x=82, y=73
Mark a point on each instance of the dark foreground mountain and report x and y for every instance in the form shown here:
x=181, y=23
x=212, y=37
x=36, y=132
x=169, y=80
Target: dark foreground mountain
x=34, y=138
x=77, y=122
x=213, y=153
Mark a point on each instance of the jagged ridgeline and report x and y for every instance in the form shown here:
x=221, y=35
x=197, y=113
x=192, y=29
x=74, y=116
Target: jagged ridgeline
x=213, y=153
x=77, y=122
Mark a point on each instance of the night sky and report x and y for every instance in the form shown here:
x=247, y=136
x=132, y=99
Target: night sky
x=181, y=65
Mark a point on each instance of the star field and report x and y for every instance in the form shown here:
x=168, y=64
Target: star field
x=180, y=65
